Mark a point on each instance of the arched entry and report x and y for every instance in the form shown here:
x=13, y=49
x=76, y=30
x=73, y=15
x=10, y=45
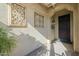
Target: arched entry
x=63, y=20
x=64, y=25
x=62, y=9
x=64, y=28
x=73, y=10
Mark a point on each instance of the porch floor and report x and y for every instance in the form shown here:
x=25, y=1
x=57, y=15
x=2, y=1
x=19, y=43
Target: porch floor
x=57, y=48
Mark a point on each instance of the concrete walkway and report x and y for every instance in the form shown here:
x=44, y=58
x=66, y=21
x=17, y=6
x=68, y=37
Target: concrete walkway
x=57, y=48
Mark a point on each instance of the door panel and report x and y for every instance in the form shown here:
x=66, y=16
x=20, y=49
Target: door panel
x=64, y=28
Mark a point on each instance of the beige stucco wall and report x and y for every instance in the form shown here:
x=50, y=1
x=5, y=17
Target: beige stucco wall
x=30, y=37
x=77, y=41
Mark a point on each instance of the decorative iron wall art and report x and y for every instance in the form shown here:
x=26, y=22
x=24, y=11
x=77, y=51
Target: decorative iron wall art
x=17, y=15
x=38, y=20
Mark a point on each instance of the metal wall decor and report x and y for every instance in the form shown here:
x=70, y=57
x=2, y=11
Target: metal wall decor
x=17, y=15
x=38, y=20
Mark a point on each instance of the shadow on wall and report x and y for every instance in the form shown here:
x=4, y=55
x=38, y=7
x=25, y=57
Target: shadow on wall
x=27, y=43
x=8, y=29
x=5, y=26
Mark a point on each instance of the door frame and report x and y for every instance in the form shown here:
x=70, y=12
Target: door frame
x=57, y=25
x=63, y=24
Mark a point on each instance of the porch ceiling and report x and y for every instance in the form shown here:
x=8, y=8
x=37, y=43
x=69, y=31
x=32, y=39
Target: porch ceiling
x=48, y=4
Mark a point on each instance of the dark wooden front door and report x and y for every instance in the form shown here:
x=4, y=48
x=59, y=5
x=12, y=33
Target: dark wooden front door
x=64, y=28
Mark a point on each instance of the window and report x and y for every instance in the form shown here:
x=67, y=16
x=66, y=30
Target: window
x=38, y=20
x=17, y=15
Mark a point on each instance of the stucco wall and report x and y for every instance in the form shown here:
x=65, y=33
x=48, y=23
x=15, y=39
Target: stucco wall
x=30, y=37
x=77, y=42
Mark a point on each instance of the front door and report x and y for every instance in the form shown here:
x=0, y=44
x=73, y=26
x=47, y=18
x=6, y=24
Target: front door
x=64, y=28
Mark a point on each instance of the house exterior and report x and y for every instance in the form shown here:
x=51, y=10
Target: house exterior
x=40, y=25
